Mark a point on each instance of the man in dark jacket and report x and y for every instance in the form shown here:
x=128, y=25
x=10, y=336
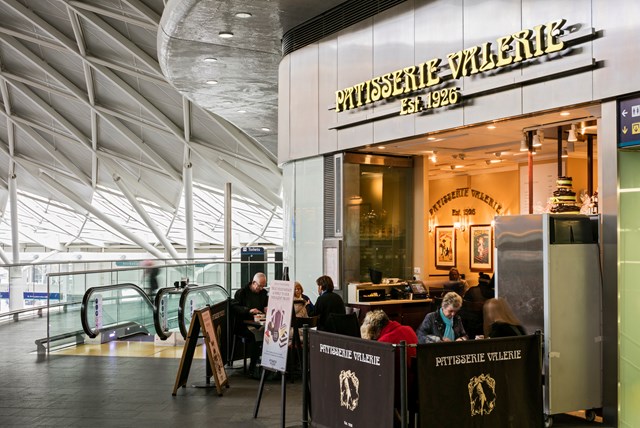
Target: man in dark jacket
x=248, y=301
x=328, y=302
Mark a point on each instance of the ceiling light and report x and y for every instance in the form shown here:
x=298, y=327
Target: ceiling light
x=538, y=138
x=572, y=134
x=433, y=158
x=491, y=127
x=382, y=147
x=212, y=82
x=492, y=161
x=570, y=146
x=564, y=153
x=498, y=154
x=457, y=166
x=523, y=144
x=225, y=34
x=265, y=129
x=210, y=59
x=431, y=138
x=461, y=156
x=564, y=113
x=243, y=15
x=242, y=111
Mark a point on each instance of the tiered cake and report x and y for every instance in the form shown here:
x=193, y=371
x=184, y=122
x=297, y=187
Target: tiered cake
x=564, y=199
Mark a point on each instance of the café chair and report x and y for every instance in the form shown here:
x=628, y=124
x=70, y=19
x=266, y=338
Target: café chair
x=345, y=324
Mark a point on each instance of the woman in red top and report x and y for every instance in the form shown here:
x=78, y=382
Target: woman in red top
x=378, y=326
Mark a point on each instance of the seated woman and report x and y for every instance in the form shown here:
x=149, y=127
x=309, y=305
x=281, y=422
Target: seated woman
x=301, y=303
x=444, y=324
x=499, y=320
x=456, y=283
x=378, y=326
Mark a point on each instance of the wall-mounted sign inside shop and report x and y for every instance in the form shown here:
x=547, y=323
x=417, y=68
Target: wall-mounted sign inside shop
x=508, y=50
x=465, y=192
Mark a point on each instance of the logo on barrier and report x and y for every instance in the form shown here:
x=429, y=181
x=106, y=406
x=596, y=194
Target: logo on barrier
x=349, y=384
x=482, y=394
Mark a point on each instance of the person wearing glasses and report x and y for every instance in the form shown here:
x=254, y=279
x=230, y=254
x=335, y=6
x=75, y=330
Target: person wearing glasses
x=250, y=300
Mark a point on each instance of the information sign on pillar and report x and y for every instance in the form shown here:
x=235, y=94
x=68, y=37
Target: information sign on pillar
x=629, y=122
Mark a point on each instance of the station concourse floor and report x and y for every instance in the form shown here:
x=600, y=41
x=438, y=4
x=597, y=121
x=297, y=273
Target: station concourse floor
x=129, y=384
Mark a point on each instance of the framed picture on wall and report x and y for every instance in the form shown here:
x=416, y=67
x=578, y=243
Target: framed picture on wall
x=445, y=240
x=480, y=248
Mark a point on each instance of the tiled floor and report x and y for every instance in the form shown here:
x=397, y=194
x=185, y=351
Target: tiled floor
x=124, y=385
x=129, y=384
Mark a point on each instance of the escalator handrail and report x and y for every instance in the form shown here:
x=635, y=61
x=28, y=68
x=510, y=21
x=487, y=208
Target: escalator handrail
x=112, y=287
x=156, y=311
x=192, y=288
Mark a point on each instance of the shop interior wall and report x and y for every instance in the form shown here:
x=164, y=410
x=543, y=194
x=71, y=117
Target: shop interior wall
x=502, y=187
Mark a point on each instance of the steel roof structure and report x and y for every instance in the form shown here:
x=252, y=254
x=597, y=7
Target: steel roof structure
x=99, y=144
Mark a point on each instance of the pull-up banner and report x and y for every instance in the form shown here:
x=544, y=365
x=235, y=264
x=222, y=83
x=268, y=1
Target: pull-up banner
x=352, y=381
x=485, y=383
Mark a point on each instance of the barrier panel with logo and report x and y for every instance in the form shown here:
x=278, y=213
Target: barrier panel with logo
x=481, y=383
x=352, y=381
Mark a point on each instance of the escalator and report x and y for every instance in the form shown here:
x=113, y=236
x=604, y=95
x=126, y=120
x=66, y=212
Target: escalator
x=120, y=311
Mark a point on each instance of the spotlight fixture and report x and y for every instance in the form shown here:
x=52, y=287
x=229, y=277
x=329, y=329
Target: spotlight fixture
x=212, y=82
x=523, y=143
x=242, y=111
x=225, y=34
x=491, y=127
x=433, y=158
x=210, y=59
x=492, y=161
x=564, y=113
x=538, y=138
x=564, y=153
x=243, y=15
x=572, y=134
x=265, y=129
x=382, y=147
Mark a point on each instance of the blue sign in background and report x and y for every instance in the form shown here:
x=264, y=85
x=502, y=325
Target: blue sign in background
x=629, y=122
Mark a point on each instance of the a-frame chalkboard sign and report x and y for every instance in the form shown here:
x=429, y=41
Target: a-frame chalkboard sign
x=201, y=319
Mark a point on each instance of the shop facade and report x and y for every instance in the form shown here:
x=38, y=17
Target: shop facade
x=364, y=112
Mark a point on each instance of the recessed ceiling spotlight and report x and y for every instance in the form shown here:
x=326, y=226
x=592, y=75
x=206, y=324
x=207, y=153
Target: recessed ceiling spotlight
x=265, y=129
x=564, y=113
x=491, y=127
x=210, y=59
x=431, y=138
x=212, y=82
x=225, y=34
x=382, y=147
x=243, y=15
x=242, y=111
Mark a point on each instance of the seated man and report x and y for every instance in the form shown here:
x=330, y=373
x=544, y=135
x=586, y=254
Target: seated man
x=248, y=301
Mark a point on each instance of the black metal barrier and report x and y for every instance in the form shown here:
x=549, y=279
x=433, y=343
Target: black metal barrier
x=481, y=383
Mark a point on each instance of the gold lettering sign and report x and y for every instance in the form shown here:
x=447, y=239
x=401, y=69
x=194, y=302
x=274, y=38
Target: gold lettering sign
x=464, y=192
x=508, y=50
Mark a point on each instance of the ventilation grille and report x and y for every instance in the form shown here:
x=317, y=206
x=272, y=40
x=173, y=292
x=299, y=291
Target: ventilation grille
x=333, y=196
x=332, y=21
